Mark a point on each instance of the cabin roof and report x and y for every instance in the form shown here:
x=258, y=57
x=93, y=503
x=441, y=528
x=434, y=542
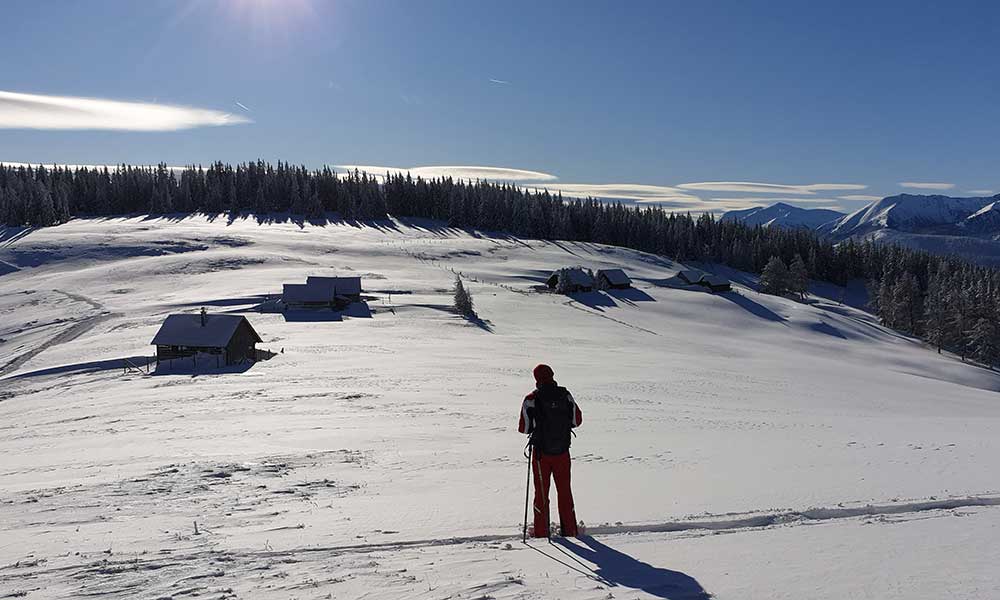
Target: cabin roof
x=187, y=330
x=339, y=286
x=691, y=275
x=614, y=276
x=576, y=276
x=304, y=292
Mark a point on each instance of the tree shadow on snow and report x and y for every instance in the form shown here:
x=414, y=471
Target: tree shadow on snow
x=619, y=569
x=824, y=327
x=630, y=295
x=481, y=323
x=9, y=235
x=752, y=307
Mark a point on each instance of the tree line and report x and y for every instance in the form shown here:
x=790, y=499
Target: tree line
x=949, y=302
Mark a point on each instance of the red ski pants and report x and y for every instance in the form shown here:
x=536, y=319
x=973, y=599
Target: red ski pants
x=546, y=467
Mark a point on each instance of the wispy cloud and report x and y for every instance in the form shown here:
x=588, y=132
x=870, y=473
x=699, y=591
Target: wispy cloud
x=243, y=106
x=860, y=197
x=499, y=81
x=983, y=192
x=926, y=185
x=684, y=197
x=637, y=192
x=769, y=200
x=458, y=172
x=35, y=111
x=769, y=188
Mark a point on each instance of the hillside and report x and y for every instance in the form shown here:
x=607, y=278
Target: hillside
x=376, y=455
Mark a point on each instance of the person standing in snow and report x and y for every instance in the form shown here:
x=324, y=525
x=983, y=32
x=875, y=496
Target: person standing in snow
x=548, y=415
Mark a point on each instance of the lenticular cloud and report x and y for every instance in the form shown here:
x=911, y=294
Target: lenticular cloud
x=35, y=111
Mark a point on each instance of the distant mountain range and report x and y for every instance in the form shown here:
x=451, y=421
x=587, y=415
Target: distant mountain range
x=783, y=215
x=968, y=227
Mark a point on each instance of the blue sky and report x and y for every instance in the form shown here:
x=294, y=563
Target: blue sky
x=692, y=104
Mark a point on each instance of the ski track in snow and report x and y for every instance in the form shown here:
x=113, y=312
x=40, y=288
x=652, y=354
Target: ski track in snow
x=69, y=334
x=195, y=567
x=576, y=305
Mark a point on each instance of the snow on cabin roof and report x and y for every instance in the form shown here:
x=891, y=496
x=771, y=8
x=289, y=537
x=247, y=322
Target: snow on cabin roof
x=304, y=292
x=187, y=330
x=691, y=275
x=615, y=276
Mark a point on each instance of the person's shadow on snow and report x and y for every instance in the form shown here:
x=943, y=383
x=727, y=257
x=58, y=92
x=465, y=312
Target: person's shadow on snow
x=618, y=568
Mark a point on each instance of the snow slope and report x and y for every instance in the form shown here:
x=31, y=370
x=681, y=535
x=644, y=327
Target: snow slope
x=783, y=215
x=737, y=445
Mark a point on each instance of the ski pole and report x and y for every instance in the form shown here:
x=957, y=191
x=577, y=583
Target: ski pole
x=529, y=450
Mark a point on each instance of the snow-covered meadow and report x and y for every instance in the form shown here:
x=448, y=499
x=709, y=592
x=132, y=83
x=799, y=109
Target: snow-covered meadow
x=737, y=445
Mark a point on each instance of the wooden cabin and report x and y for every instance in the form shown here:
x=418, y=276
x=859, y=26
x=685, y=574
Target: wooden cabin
x=613, y=279
x=714, y=283
x=230, y=338
x=691, y=277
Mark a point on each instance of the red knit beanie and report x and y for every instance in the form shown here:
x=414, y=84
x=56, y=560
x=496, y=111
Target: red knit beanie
x=543, y=374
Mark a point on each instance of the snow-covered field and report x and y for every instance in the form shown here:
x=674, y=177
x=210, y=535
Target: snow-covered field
x=736, y=445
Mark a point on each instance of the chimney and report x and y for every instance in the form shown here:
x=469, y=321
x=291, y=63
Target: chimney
x=204, y=316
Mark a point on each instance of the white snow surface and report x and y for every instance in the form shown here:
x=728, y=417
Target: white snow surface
x=733, y=445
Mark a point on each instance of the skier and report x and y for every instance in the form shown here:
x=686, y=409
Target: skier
x=548, y=415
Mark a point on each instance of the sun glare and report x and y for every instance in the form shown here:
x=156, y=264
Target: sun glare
x=270, y=18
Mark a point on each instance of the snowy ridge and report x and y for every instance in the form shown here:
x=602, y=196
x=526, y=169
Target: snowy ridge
x=984, y=221
x=907, y=212
x=783, y=215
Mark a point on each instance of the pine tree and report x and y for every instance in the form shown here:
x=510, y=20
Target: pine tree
x=958, y=320
x=798, y=277
x=774, y=279
x=906, y=303
x=463, y=299
x=982, y=340
x=936, y=314
x=563, y=281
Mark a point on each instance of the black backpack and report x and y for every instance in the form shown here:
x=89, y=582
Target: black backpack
x=553, y=420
